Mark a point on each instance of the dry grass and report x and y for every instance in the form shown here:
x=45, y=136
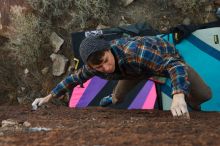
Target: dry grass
x=26, y=48
x=187, y=6
x=92, y=9
x=51, y=9
x=28, y=38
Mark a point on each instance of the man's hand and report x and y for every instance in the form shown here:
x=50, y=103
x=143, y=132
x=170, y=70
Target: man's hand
x=40, y=101
x=179, y=107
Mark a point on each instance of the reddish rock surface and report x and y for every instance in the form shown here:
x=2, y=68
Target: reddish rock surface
x=103, y=126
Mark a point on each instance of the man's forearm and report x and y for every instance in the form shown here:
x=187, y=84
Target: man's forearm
x=179, y=77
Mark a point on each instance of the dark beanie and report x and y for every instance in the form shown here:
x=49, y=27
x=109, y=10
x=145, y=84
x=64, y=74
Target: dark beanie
x=91, y=45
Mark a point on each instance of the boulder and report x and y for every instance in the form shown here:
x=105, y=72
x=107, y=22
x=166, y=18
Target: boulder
x=59, y=64
x=9, y=123
x=56, y=42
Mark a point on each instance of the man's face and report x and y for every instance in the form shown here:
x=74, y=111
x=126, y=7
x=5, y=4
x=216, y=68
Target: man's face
x=107, y=65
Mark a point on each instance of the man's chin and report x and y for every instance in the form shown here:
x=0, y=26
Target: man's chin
x=111, y=71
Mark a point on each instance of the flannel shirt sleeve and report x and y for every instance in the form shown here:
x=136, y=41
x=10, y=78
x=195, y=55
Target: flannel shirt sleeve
x=71, y=81
x=178, y=75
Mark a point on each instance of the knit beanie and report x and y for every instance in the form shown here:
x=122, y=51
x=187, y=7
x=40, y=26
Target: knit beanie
x=91, y=45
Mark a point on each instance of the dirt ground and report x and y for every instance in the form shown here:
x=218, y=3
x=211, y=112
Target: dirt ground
x=102, y=126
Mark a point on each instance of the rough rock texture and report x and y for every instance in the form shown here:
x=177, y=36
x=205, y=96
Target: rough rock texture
x=55, y=125
x=56, y=42
x=59, y=64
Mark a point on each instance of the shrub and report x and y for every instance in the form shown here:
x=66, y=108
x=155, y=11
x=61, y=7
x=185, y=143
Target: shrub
x=187, y=6
x=28, y=37
x=51, y=9
x=88, y=9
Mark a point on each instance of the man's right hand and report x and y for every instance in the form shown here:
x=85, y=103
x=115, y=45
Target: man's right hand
x=40, y=101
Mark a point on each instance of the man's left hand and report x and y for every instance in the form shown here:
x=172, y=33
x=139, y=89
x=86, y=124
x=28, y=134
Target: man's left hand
x=179, y=107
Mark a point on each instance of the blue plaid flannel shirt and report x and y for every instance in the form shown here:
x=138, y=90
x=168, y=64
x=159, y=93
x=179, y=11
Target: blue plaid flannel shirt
x=145, y=56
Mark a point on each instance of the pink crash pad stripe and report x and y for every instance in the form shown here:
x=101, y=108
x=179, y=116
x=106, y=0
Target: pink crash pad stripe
x=94, y=87
x=76, y=94
x=151, y=99
x=140, y=98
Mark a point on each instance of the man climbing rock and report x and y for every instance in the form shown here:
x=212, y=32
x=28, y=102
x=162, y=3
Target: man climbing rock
x=131, y=60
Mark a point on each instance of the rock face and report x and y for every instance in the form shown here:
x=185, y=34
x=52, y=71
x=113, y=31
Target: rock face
x=7, y=8
x=3, y=40
x=125, y=3
x=59, y=64
x=217, y=2
x=9, y=123
x=56, y=42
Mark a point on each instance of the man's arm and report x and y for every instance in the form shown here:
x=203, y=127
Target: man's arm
x=179, y=79
x=66, y=85
x=179, y=76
